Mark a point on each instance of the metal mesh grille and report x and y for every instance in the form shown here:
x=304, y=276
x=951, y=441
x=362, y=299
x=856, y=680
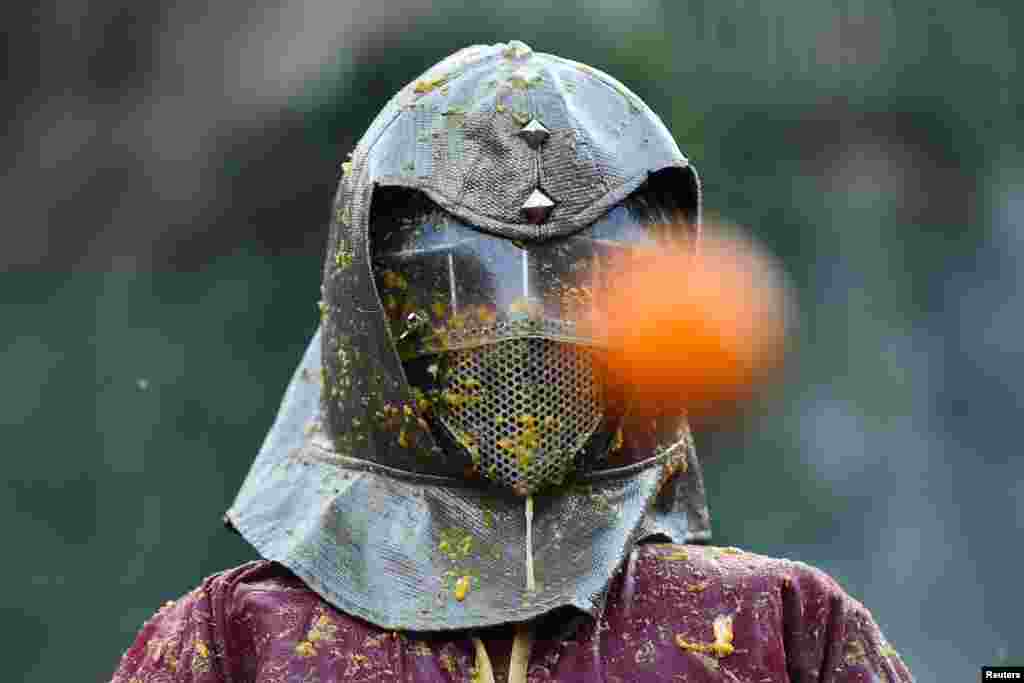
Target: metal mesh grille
x=523, y=408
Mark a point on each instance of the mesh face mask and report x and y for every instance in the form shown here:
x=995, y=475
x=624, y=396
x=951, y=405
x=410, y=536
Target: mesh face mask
x=501, y=339
x=528, y=411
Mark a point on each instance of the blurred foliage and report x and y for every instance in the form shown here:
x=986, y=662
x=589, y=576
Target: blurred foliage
x=861, y=141
x=139, y=402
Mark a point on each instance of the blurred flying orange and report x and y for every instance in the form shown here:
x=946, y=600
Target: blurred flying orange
x=697, y=329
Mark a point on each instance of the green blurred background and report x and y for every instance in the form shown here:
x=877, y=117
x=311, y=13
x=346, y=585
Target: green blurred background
x=170, y=169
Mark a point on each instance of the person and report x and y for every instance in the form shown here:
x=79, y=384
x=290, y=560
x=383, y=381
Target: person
x=452, y=491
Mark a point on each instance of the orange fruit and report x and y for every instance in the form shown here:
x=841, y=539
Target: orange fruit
x=697, y=329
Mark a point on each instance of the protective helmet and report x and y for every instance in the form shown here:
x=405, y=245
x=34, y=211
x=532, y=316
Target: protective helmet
x=448, y=454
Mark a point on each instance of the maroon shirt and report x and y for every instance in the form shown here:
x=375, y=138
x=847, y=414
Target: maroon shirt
x=675, y=613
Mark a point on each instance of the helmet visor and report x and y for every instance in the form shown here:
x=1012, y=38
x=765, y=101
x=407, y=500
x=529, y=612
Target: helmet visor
x=445, y=285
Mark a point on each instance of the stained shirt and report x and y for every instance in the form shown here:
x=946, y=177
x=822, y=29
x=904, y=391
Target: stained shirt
x=674, y=613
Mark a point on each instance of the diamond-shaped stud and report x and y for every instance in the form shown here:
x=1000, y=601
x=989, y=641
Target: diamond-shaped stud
x=537, y=207
x=534, y=133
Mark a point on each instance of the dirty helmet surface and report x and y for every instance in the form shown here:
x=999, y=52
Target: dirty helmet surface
x=448, y=455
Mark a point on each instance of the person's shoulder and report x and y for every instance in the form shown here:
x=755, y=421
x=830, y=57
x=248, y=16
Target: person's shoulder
x=261, y=590
x=185, y=638
x=730, y=563
x=233, y=620
x=695, y=568
x=759, y=601
x=267, y=597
